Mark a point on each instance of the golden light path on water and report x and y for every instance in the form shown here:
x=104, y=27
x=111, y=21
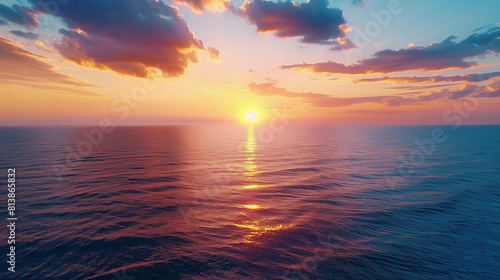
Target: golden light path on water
x=257, y=221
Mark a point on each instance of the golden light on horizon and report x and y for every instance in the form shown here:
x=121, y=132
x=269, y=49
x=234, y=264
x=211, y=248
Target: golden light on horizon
x=251, y=116
x=252, y=206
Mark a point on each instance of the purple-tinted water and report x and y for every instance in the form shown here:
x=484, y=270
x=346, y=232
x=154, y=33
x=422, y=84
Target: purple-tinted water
x=238, y=202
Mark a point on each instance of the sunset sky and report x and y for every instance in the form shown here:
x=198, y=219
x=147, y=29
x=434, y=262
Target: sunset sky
x=211, y=61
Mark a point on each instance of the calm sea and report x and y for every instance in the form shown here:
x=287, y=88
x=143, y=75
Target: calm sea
x=243, y=202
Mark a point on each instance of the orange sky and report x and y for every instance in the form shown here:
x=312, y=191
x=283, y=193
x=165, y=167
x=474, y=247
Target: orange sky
x=232, y=64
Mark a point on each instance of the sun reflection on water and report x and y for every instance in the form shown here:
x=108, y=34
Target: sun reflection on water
x=259, y=186
x=249, y=164
x=252, y=206
x=257, y=222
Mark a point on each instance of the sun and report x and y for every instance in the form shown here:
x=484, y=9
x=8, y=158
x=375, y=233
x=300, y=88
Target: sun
x=251, y=116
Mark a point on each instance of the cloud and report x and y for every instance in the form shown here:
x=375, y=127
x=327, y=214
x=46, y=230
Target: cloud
x=19, y=15
x=199, y=6
x=41, y=45
x=313, y=21
x=489, y=91
x=315, y=99
x=396, y=100
x=27, y=35
x=417, y=87
x=445, y=55
x=130, y=37
x=326, y=101
x=448, y=94
x=359, y=3
x=410, y=92
x=432, y=79
x=459, y=93
x=21, y=67
x=343, y=44
x=214, y=54
x=323, y=79
x=374, y=111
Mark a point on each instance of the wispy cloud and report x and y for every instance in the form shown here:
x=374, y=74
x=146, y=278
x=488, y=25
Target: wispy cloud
x=28, y=35
x=214, y=54
x=359, y=3
x=447, y=93
x=315, y=99
x=22, y=67
x=323, y=100
x=432, y=79
x=444, y=55
x=199, y=6
x=19, y=15
x=464, y=91
x=418, y=87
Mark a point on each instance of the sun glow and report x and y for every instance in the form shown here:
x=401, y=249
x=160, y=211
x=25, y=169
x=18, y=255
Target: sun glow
x=252, y=206
x=251, y=116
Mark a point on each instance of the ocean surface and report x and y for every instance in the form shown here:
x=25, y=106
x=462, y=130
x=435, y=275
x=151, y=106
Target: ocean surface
x=254, y=202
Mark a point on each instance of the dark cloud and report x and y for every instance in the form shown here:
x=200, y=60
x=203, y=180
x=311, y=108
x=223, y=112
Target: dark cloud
x=28, y=35
x=19, y=15
x=432, y=79
x=202, y=5
x=315, y=99
x=313, y=21
x=438, y=56
x=22, y=67
x=130, y=37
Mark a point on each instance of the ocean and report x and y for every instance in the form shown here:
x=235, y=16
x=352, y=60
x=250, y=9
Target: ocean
x=253, y=202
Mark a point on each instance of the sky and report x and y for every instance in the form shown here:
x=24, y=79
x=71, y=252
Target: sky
x=394, y=62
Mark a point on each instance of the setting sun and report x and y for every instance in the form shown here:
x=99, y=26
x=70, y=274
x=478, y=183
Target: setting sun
x=237, y=137
x=251, y=116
